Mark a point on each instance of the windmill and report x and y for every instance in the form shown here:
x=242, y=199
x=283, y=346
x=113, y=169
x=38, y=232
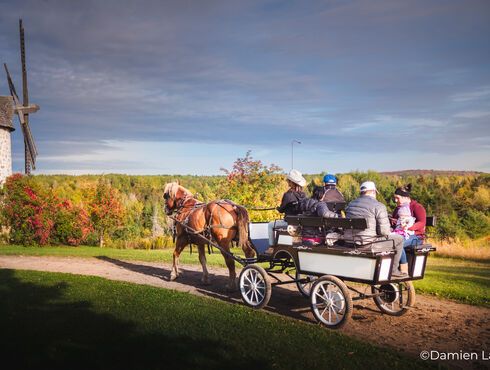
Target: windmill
x=23, y=110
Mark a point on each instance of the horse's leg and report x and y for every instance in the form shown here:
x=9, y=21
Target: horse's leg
x=230, y=263
x=179, y=246
x=224, y=243
x=248, y=250
x=202, y=259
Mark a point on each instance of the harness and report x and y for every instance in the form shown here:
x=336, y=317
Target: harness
x=206, y=231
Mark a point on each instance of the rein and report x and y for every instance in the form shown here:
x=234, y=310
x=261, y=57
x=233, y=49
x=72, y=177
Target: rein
x=252, y=208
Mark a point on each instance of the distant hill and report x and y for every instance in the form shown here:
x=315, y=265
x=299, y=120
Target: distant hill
x=431, y=172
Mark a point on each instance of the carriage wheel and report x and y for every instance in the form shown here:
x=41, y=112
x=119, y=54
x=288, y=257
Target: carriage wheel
x=394, y=297
x=331, y=302
x=305, y=288
x=255, y=286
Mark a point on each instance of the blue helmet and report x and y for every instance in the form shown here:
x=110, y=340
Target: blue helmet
x=330, y=179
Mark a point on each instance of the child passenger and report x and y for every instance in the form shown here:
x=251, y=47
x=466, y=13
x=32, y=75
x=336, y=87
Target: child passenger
x=405, y=221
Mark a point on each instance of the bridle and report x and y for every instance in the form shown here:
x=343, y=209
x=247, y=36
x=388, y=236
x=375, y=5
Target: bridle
x=176, y=207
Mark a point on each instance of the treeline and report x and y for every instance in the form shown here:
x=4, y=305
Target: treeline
x=461, y=203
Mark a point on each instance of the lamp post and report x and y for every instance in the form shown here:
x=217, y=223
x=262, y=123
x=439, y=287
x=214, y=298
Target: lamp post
x=292, y=142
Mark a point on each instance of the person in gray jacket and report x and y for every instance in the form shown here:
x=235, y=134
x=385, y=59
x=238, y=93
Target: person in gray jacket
x=378, y=224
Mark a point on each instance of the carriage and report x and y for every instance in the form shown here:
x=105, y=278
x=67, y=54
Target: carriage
x=321, y=272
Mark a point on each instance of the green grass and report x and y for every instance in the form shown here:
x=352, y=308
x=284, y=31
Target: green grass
x=64, y=321
x=464, y=281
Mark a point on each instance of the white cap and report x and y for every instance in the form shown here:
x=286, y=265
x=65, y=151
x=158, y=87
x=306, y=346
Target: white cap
x=296, y=177
x=368, y=185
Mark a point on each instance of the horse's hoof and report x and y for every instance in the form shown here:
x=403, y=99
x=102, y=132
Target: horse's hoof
x=231, y=289
x=205, y=282
x=173, y=277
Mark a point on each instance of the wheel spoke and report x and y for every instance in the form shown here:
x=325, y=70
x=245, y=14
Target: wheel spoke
x=261, y=295
x=335, y=313
x=253, y=276
x=321, y=297
x=323, y=312
x=324, y=292
x=252, y=298
x=246, y=277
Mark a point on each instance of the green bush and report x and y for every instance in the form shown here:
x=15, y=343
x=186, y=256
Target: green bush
x=476, y=224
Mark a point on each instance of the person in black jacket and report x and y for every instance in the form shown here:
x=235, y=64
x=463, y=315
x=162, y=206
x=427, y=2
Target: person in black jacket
x=314, y=206
x=290, y=201
x=332, y=194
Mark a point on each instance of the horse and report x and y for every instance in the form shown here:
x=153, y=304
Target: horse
x=220, y=220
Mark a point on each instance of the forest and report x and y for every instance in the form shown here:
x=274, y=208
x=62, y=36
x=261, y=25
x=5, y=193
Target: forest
x=127, y=211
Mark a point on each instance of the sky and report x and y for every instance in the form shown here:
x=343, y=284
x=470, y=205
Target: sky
x=187, y=87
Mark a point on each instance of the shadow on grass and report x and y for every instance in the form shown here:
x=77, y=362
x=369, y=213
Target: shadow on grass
x=142, y=269
x=41, y=328
x=285, y=302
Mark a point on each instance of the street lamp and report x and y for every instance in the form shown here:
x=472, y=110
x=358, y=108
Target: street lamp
x=292, y=142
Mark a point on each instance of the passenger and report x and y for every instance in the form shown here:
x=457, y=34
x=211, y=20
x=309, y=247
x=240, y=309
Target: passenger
x=290, y=201
x=405, y=221
x=314, y=206
x=402, y=197
x=332, y=194
x=378, y=225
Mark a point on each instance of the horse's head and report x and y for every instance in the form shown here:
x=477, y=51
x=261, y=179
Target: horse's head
x=174, y=196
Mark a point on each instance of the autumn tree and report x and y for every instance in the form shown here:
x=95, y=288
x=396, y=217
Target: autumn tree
x=104, y=209
x=254, y=184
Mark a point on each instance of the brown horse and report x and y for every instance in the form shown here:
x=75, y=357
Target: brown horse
x=220, y=221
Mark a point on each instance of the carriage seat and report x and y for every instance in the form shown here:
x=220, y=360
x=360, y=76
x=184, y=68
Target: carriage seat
x=359, y=243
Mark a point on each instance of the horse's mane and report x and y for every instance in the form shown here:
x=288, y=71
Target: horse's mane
x=172, y=188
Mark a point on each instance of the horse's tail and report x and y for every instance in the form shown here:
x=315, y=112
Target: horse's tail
x=242, y=225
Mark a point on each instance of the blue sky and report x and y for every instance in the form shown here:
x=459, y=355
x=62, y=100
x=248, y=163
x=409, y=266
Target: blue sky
x=186, y=87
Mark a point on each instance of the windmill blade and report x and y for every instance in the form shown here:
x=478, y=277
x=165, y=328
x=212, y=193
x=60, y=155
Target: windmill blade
x=30, y=141
x=30, y=147
x=25, y=127
x=11, y=85
x=23, y=60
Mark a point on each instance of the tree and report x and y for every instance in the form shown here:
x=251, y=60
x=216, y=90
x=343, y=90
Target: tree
x=104, y=209
x=252, y=183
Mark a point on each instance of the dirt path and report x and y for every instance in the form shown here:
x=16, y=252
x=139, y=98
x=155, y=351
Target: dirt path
x=433, y=325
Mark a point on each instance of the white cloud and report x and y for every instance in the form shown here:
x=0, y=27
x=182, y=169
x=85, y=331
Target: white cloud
x=479, y=93
x=472, y=114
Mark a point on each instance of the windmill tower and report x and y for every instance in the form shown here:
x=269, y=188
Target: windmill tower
x=6, y=127
x=23, y=110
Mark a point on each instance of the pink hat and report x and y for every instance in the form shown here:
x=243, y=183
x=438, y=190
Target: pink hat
x=404, y=210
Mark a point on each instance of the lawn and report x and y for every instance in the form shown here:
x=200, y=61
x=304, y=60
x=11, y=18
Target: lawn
x=64, y=321
x=462, y=280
